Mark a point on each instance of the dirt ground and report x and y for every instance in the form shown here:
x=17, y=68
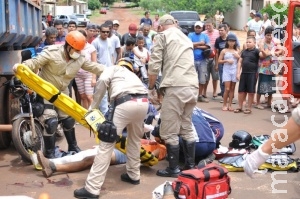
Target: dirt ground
x=127, y=16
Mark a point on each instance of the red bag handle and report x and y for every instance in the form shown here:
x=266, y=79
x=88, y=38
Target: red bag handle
x=207, y=175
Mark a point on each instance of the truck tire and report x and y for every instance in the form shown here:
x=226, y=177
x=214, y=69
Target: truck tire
x=21, y=134
x=5, y=137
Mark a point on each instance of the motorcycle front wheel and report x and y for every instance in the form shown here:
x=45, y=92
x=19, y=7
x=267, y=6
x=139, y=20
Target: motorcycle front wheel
x=23, y=140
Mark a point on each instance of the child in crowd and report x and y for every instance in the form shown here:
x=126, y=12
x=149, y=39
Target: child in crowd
x=229, y=57
x=250, y=33
x=126, y=50
x=247, y=74
x=141, y=56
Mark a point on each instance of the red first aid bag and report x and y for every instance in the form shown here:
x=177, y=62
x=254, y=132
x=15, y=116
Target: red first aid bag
x=209, y=182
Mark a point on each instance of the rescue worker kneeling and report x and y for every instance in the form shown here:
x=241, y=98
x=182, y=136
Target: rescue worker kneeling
x=129, y=105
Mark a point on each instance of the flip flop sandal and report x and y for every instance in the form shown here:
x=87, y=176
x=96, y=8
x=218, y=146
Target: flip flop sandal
x=238, y=110
x=259, y=107
x=247, y=111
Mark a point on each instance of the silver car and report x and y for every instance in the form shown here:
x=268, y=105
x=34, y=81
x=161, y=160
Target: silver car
x=66, y=18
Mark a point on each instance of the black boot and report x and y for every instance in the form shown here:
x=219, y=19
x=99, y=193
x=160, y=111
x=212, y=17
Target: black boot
x=71, y=139
x=84, y=194
x=189, y=155
x=173, y=158
x=49, y=142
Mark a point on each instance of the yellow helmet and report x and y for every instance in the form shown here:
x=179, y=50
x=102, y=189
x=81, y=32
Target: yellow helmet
x=127, y=62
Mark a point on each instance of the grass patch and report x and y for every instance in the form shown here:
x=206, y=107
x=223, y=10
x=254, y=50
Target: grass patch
x=141, y=12
x=95, y=14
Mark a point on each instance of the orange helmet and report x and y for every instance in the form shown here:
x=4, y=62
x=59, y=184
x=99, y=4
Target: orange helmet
x=76, y=40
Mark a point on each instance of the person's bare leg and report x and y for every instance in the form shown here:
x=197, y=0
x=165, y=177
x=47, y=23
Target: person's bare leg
x=241, y=98
x=205, y=88
x=75, y=166
x=89, y=100
x=231, y=95
x=258, y=99
x=215, y=84
x=269, y=100
x=250, y=100
x=84, y=101
x=225, y=96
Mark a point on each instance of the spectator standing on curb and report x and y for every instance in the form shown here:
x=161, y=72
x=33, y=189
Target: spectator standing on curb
x=229, y=58
x=200, y=43
x=219, y=46
x=213, y=34
x=247, y=74
x=266, y=81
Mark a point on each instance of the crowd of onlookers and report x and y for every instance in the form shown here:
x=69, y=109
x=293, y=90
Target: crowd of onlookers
x=217, y=54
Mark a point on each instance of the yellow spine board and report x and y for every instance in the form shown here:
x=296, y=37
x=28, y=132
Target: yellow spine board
x=147, y=158
x=46, y=90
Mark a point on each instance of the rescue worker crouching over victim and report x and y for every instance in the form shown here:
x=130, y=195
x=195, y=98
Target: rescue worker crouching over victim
x=58, y=65
x=172, y=53
x=129, y=106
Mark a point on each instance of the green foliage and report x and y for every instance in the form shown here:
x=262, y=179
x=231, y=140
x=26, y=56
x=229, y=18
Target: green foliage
x=152, y=5
x=279, y=20
x=106, y=2
x=208, y=7
x=93, y=4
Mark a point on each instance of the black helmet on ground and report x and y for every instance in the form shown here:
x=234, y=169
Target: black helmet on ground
x=240, y=140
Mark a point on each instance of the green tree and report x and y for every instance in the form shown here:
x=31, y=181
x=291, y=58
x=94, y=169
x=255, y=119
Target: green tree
x=208, y=7
x=93, y=4
x=152, y=5
x=273, y=13
x=107, y=2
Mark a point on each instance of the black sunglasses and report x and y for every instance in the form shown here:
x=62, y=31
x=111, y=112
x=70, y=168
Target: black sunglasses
x=105, y=32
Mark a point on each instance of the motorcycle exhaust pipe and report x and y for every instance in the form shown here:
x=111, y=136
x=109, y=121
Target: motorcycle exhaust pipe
x=5, y=127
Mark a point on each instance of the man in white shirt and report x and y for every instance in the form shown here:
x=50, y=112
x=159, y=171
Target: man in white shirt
x=254, y=24
x=115, y=42
x=265, y=24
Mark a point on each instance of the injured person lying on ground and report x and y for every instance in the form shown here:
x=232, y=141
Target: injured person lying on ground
x=210, y=127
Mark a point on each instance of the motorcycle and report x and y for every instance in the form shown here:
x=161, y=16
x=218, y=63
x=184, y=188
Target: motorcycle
x=26, y=128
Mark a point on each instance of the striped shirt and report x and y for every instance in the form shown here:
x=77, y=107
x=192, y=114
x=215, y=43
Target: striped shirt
x=212, y=37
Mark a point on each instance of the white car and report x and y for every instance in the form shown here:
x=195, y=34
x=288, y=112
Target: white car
x=82, y=19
